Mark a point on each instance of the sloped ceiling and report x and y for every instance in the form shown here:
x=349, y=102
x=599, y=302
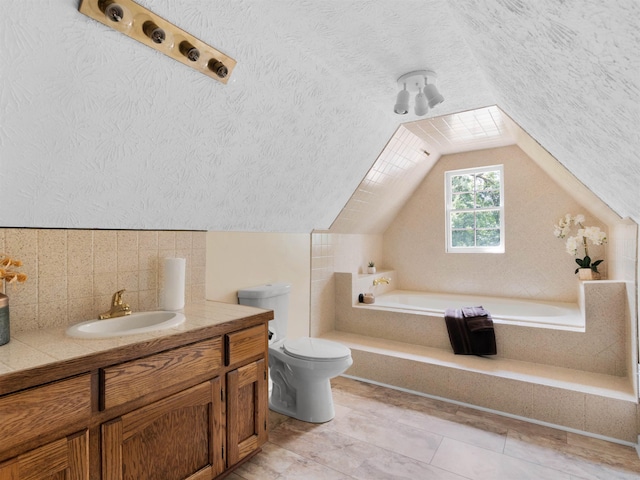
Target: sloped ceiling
x=416, y=147
x=98, y=131
x=569, y=74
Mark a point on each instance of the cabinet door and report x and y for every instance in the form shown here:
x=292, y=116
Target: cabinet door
x=179, y=437
x=246, y=410
x=53, y=410
x=64, y=459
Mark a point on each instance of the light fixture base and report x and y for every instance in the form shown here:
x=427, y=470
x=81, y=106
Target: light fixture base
x=141, y=24
x=414, y=78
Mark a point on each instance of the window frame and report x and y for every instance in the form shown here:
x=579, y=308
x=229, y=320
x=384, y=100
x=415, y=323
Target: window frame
x=449, y=210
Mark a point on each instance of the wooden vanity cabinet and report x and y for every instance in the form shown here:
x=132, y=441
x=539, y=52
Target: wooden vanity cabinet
x=63, y=459
x=189, y=412
x=198, y=432
x=179, y=437
x=46, y=428
x=246, y=410
x=247, y=390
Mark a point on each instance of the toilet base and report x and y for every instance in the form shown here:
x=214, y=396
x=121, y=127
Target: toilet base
x=301, y=387
x=313, y=404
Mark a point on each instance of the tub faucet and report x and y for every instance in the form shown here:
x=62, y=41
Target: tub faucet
x=118, y=307
x=378, y=281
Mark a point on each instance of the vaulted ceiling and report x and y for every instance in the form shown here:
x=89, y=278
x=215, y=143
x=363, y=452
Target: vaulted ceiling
x=99, y=131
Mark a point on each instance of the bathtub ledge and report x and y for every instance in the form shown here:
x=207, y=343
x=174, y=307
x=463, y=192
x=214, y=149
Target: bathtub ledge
x=610, y=386
x=574, y=323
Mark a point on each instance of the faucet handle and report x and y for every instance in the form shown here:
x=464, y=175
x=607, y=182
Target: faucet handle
x=117, y=297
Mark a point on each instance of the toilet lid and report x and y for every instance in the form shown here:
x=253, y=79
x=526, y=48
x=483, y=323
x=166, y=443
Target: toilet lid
x=315, y=349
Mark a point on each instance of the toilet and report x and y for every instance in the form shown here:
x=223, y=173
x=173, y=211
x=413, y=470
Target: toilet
x=300, y=369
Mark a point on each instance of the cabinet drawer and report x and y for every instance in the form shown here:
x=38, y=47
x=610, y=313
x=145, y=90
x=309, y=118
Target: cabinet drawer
x=54, y=407
x=128, y=381
x=245, y=344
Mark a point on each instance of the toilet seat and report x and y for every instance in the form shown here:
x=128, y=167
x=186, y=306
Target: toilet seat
x=317, y=349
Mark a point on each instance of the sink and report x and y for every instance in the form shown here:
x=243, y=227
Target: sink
x=140, y=322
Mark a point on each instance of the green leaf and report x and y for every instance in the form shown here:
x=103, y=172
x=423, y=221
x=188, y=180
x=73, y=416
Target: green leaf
x=596, y=263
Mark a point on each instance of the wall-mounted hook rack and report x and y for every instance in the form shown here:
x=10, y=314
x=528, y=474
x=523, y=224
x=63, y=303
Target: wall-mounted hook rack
x=143, y=25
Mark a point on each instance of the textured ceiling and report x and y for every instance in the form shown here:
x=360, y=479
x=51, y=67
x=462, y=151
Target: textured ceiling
x=99, y=131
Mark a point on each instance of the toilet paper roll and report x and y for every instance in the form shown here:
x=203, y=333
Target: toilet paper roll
x=174, y=283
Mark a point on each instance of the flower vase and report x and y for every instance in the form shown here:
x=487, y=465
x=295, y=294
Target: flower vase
x=588, y=274
x=371, y=269
x=5, y=334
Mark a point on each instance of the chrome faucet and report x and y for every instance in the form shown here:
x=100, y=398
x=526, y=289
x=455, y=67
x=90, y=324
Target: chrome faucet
x=378, y=281
x=118, y=307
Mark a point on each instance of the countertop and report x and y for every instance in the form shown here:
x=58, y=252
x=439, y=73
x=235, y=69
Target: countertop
x=30, y=354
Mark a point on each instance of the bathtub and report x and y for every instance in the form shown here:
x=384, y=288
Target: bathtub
x=558, y=315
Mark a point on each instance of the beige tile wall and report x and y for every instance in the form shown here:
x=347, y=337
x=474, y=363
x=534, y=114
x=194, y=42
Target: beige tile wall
x=74, y=273
x=322, y=305
x=601, y=349
x=331, y=253
x=535, y=264
x=587, y=412
x=391, y=180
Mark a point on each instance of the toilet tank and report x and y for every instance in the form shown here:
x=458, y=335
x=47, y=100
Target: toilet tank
x=271, y=296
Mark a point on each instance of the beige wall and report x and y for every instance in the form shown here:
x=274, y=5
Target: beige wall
x=238, y=260
x=74, y=273
x=534, y=265
x=331, y=252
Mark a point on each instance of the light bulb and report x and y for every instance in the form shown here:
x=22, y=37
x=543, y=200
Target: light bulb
x=402, y=102
x=218, y=68
x=154, y=32
x=189, y=51
x=161, y=37
x=116, y=13
x=433, y=95
x=421, y=107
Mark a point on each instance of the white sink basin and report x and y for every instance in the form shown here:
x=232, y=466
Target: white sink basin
x=135, y=323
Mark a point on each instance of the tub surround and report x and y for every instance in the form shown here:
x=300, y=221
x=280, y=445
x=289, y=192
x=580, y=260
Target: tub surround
x=579, y=380
x=601, y=347
x=582, y=380
x=552, y=315
x=527, y=313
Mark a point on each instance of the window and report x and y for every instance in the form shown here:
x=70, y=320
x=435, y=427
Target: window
x=475, y=210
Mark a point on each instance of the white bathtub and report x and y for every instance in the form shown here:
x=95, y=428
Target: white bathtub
x=565, y=316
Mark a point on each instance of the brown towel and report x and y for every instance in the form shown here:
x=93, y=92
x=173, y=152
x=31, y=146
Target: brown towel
x=470, y=331
x=458, y=332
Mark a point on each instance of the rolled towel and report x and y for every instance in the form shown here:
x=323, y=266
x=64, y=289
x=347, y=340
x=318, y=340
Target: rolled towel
x=477, y=318
x=478, y=311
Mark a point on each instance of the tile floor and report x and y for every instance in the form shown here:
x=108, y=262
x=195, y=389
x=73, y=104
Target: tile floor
x=381, y=433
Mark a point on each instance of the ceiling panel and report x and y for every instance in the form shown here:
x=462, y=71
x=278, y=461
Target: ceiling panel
x=464, y=131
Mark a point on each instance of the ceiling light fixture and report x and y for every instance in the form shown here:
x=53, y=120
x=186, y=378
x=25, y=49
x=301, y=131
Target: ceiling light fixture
x=427, y=95
x=143, y=25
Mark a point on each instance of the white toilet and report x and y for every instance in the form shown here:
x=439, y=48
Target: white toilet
x=300, y=369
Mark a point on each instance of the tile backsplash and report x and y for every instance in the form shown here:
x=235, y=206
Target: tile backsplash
x=74, y=273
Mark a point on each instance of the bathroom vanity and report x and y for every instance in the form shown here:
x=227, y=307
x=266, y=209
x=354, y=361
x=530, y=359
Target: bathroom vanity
x=188, y=403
